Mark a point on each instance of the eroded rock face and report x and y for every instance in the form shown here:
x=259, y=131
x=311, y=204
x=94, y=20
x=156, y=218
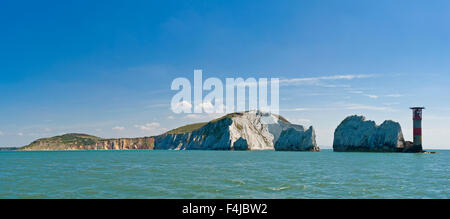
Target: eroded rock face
x=297, y=139
x=357, y=134
x=251, y=130
x=144, y=143
x=240, y=145
x=212, y=136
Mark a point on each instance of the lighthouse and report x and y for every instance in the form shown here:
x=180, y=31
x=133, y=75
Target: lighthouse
x=417, y=128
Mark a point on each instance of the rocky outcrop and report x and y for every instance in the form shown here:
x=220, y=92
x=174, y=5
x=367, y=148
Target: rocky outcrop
x=212, y=136
x=297, y=139
x=411, y=148
x=357, y=134
x=253, y=130
x=144, y=143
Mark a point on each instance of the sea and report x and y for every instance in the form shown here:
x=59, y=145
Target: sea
x=223, y=174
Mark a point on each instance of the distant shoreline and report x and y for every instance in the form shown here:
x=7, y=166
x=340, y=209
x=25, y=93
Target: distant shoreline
x=9, y=148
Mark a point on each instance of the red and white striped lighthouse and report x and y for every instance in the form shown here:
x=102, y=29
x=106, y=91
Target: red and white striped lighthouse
x=417, y=126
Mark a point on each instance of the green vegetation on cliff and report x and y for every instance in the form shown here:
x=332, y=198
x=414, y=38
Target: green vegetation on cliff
x=61, y=142
x=197, y=126
x=187, y=128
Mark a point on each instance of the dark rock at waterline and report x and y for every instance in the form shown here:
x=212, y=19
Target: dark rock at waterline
x=411, y=148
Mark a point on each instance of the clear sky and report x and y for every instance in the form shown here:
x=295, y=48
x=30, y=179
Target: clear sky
x=105, y=67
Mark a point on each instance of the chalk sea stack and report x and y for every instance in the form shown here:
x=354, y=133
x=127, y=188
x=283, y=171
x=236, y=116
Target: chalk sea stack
x=356, y=134
x=251, y=130
x=297, y=138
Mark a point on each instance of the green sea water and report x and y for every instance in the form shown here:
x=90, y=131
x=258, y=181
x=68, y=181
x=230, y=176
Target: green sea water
x=223, y=174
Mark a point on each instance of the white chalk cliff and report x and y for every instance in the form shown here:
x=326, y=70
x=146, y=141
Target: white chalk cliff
x=296, y=138
x=252, y=130
x=357, y=134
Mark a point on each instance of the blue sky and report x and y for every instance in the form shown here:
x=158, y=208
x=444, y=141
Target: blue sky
x=105, y=67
